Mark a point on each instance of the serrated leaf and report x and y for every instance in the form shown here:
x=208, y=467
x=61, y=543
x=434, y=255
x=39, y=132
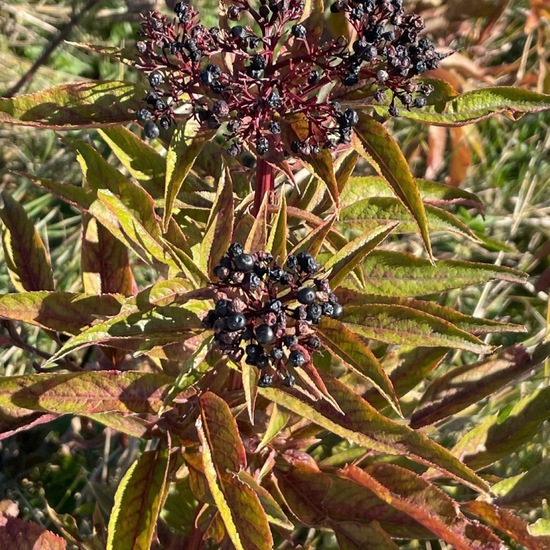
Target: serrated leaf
x=278, y=419
x=169, y=323
x=399, y=274
x=257, y=238
x=182, y=154
x=126, y=424
x=278, y=235
x=353, y=253
x=59, y=311
x=508, y=523
x=322, y=166
x=250, y=377
x=384, y=209
x=395, y=324
x=26, y=535
x=463, y=386
x=105, y=264
x=365, y=426
x=478, y=104
x=138, y=501
x=70, y=106
x=379, y=148
x=27, y=261
x=497, y=437
x=430, y=506
x=86, y=392
x=438, y=194
x=224, y=456
x=141, y=160
x=345, y=345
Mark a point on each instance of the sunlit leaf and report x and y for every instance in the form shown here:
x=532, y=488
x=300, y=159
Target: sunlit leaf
x=257, y=238
x=138, y=501
x=26, y=258
x=69, y=106
x=276, y=242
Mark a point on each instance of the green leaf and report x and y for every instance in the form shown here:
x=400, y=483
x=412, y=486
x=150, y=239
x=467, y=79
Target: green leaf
x=352, y=254
x=278, y=419
x=365, y=426
x=224, y=456
x=183, y=151
x=395, y=324
x=479, y=104
x=250, y=376
x=105, y=263
x=315, y=239
x=169, y=323
x=138, y=501
x=59, y=311
x=276, y=242
x=430, y=506
x=384, y=209
x=508, y=523
x=257, y=238
x=437, y=194
x=463, y=386
x=322, y=166
x=345, y=345
x=379, y=148
x=141, y=160
x=27, y=261
x=398, y=274
x=501, y=434
x=86, y=393
x=526, y=490
x=69, y=106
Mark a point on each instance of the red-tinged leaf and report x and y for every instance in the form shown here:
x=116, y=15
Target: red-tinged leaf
x=86, y=393
x=526, y=490
x=219, y=229
x=384, y=209
x=257, y=238
x=314, y=383
x=508, y=523
x=27, y=261
x=274, y=512
x=398, y=274
x=463, y=386
x=105, y=263
x=141, y=160
x=224, y=456
x=75, y=196
x=477, y=105
x=379, y=148
x=353, y=253
x=169, y=323
x=183, y=151
x=278, y=419
x=365, y=426
x=475, y=325
x=437, y=194
x=350, y=349
x=126, y=424
x=138, y=501
x=70, y=106
x=278, y=235
x=322, y=166
x=24, y=535
x=345, y=165
x=355, y=536
x=315, y=239
x=501, y=434
x=430, y=506
x=402, y=325
x=59, y=311
x=14, y=420
x=250, y=377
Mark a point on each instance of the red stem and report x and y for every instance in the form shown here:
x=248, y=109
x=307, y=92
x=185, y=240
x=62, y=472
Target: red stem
x=265, y=183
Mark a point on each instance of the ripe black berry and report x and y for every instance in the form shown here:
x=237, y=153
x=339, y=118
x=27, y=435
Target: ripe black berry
x=313, y=343
x=156, y=79
x=151, y=130
x=253, y=351
x=222, y=308
x=292, y=262
x=289, y=340
x=265, y=381
x=265, y=334
x=238, y=31
x=296, y=358
x=274, y=306
x=235, y=322
x=337, y=310
x=289, y=381
x=348, y=118
x=307, y=263
x=306, y=296
x=262, y=146
x=252, y=281
x=244, y=262
x=314, y=313
x=299, y=31
x=143, y=115
x=221, y=272
x=275, y=128
x=258, y=63
x=276, y=354
x=235, y=250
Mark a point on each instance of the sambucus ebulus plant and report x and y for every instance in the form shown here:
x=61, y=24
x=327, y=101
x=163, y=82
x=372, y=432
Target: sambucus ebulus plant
x=257, y=365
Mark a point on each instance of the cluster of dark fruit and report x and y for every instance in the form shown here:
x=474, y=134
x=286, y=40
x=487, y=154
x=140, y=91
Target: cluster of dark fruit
x=264, y=85
x=265, y=314
x=388, y=51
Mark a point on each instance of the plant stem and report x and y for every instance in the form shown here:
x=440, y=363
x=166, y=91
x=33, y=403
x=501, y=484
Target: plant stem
x=265, y=183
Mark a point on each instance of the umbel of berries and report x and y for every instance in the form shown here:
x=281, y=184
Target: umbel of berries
x=265, y=314
x=266, y=66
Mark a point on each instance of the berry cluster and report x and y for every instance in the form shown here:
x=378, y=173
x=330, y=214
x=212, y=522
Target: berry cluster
x=265, y=314
x=251, y=78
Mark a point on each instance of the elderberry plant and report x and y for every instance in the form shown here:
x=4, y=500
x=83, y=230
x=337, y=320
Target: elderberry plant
x=253, y=76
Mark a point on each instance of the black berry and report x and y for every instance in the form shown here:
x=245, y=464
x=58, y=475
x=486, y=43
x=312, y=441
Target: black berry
x=235, y=322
